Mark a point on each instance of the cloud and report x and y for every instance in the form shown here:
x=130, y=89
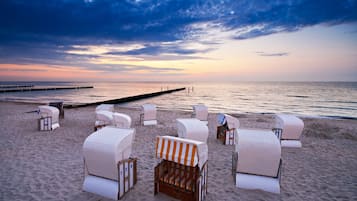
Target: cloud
x=161, y=49
x=136, y=68
x=31, y=30
x=22, y=70
x=276, y=54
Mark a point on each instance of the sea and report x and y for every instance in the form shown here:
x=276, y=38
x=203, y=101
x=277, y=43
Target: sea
x=313, y=99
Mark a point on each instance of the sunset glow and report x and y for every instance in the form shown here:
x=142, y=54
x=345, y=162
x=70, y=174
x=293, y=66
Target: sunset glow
x=226, y=41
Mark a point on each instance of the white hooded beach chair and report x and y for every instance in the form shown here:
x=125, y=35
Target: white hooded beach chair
x=200, y=112
x=121, y=120
x=49, y=117
x=193, y=129
x=103, y=118
x=106, y=107
x=227, y=128
x=257, y=160
x=109, y=171
x=108, y=118
x=289, y=128
x=148, y=114
x=182, y=170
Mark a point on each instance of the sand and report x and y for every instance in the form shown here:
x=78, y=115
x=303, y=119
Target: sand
x=48, y=165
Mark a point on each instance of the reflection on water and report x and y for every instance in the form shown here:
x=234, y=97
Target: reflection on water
x=304, y=98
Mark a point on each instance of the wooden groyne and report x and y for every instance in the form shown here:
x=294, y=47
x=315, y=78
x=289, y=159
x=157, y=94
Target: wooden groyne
x=43, y=89
x=126, y=99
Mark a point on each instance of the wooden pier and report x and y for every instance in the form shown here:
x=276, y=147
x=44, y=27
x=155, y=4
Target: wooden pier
x=126, y=99
x=23, y=89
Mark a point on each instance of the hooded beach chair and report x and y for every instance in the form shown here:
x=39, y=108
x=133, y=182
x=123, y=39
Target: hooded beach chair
x=109, y=171
x=121, y=120
x=103, y=118
x=200, y=112
x=148, y=114
x=193, y=129
x=257, y=160
x=182, y=168
x=289, y=128
x=109, y=118
x=227, y=128
x=49, y=117
x=106, y=107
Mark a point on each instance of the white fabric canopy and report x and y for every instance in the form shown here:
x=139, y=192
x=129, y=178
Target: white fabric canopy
x=231, y=121
x=200, y=112
x=121, y=120
x=291, y=125
x=107, y=107
x=104, y=117
x=192, y=129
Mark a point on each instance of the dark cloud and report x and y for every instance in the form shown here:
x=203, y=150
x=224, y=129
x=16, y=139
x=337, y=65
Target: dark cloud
x=46, y=28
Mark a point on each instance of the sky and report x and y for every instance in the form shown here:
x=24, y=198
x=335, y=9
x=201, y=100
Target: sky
x=182, y=40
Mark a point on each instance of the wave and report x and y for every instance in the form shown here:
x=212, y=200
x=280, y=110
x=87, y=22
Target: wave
x=329, y=107
x=298, y=96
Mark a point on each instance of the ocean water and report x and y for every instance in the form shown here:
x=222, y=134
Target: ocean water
x=325, y=99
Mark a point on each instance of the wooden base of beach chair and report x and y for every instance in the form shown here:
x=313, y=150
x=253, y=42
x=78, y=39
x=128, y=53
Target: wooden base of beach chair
x=180, y=181
x=97, y=127
x=45, y=124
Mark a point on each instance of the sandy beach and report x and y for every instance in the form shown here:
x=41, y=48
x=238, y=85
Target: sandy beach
x=48, y=165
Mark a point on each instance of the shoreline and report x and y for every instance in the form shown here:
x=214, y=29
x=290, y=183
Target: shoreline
x=121, y=105
x=48, y=165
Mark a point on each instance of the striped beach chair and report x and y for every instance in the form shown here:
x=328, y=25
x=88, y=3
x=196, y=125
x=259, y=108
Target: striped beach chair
x=182, y=168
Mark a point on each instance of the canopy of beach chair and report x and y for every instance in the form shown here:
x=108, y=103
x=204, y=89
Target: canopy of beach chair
x=121, y=120
x=291, y=126
x=193, y=129
x=183, y=151
x=231, y=121
x=107, y=107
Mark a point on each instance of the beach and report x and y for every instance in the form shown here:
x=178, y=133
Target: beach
x=48, y=165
